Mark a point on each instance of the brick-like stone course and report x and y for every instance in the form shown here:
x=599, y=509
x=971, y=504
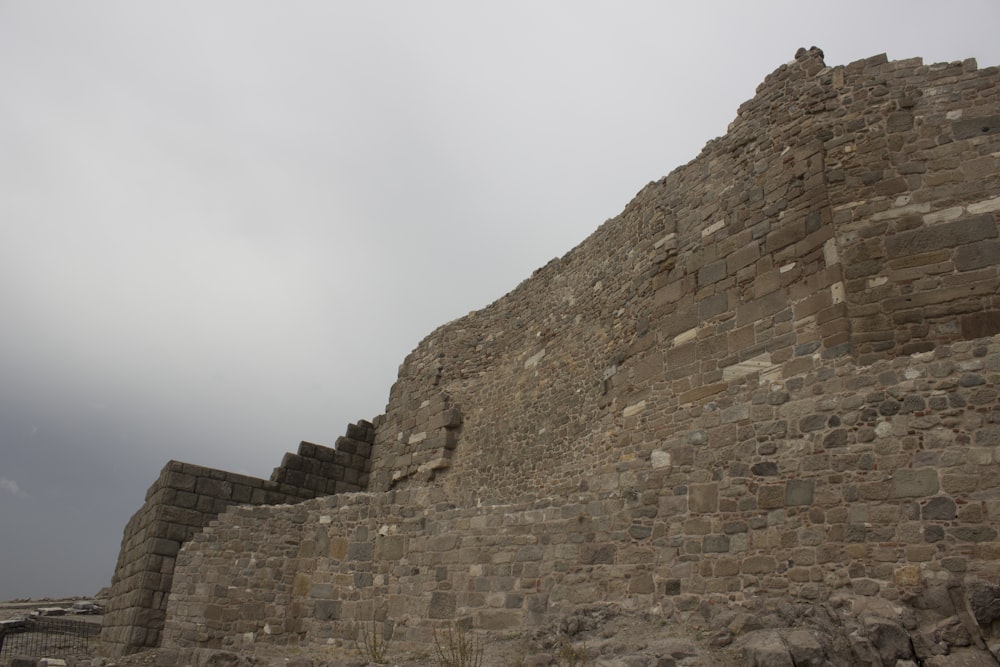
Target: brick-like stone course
x=186, y=497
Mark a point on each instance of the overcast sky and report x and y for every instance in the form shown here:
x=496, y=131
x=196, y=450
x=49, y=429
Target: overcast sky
x=224, y=224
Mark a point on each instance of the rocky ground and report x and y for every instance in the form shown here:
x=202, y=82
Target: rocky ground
x=941, y=626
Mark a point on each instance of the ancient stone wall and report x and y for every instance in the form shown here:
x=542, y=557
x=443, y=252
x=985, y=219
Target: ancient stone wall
x=878, y=482
x=848, y=211
x=776, y=373
x=185, y=498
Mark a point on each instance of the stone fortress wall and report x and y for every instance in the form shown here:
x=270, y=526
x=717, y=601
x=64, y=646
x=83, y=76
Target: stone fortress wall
x=186, y=498
x=774, y=374
x=848, y=211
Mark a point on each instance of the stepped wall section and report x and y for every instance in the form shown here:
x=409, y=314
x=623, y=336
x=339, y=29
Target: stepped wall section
x=185, y=498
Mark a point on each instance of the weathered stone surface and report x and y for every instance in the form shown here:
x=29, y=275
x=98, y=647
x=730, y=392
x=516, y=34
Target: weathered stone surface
x=890, y=639
x=442, y=605
x=984, y=600
x=915, y=483
x=799, y=492
x=946, y=235
x=979, y=126
x=962, y=658
x=703, y=497
x=805, y=649
x=327, y=610
x=766, y=649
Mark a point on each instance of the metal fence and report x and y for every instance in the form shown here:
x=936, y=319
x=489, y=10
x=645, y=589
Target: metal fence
x=44, y=637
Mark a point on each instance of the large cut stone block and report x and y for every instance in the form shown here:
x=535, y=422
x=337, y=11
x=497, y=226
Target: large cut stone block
x=915, y=483
x=703, y=497
x=946, y=235
x=799, y=492
x=442, y=605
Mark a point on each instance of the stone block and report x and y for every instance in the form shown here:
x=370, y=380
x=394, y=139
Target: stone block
x=765, y=469
x=338, y=548
x=360, y=551
x=785, y=234
x=716, y=304
x=899, y=121
x=771, y=496
x=679, y=320
x=666, y=292
x=712, y=273
x=358, y=431
x=835, y=438
x=914, y=483
x=969, y=128
x=529, y=552
x=181, y=480
x=944, y=235
x=327, y=610
x=920, y=259
x=442, y=542
x=982, y=533
x=799, y=492
x=759, y=565
x=988, y=436
x=499, y=619
x=939, y=509
x=641, y=584
x=920, y=553
x=649, y=369
x=701, y=525
x=891, y=186
x=889, y=638
x=776, y=429
x=682, y=355
x=672, y=587
x=980, y=325
x=538, y=603
x=765, y=306
x=390, y=547
x=715, y=544
x=703, y=497
x=700, y=393
x=812, y=423
x=639, y=532
x=594, y=554
x=977, y=255
x=743, y=256
x=442, y=605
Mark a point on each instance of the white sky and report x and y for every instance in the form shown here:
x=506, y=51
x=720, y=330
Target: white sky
x=224, y=224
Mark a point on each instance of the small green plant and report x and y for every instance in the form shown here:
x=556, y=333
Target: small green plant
x=373, y=644
x=456, y=647
x=571, y=656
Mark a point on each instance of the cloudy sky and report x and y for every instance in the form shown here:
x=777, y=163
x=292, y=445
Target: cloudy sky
x=224, y=224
